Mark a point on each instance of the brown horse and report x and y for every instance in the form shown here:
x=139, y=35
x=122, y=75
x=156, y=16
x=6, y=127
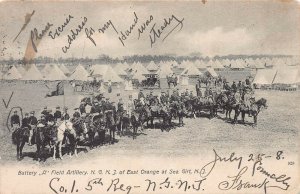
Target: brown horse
x=19, y=137
x=253, y=110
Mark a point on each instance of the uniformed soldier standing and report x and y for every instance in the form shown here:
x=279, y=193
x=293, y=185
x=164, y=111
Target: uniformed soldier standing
x=65, y=115
x=33, y=123
x=233, y=86
x=120, y=106
x=15, y=121
x=57, y=114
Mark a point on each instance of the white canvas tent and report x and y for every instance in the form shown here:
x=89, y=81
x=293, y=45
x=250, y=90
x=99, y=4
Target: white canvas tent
x=21, y=70
x=165, y=70
x=119, y=69
x=152, y=66
x=12, y=74
x=32, y=74
x=286, y=76
x=191, y=70
x=55, y=74
x=79, y=74
x=212, y=72
x=46, y=70
x=106, y=72
x=265, y=76
x=64, y=69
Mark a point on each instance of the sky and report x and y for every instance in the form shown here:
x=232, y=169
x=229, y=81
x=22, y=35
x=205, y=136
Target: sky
x=210, y=29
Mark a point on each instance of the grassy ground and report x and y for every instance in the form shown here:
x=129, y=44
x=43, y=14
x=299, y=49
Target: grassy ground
x=278, y=128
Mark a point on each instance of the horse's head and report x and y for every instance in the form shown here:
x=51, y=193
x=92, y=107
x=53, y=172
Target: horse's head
x=262, y=103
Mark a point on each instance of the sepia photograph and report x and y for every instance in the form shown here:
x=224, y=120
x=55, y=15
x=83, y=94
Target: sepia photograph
x=149, y=97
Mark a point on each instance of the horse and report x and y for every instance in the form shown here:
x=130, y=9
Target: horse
x=207, y=104
x=42, y=136
x=110, y=125
x=227, y=103
x=122, y=121
x=166, y=115
x=172, y=80
x=253, y=110
x=96, y=124
x=178, y=110
x=135, y=121
x=19, y=137
x=57, y=140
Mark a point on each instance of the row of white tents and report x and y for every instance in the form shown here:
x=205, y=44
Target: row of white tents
x=287, y=76
x=136, y=71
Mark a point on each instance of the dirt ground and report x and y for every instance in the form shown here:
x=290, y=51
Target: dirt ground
x=278, y=128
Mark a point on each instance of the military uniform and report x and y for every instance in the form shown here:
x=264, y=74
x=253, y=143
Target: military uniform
x=25, y=121
x=233, y=87
x=33, y=123
x=57, y=114
x=82, y=107
x=141, y=95
x=15, y=121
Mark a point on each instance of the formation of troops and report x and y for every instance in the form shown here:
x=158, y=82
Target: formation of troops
x=96, y=111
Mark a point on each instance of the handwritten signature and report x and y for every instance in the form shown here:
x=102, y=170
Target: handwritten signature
x=236, y=182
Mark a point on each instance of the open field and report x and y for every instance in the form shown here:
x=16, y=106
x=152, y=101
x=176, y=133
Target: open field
x=277, y=129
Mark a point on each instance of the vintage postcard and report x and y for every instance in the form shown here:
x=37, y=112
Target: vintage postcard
x=149, y=97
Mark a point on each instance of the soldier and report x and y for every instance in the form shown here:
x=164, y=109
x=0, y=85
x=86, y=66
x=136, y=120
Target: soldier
x=65, y=115
x=57, y=114
x=109, y=87
x=42, y=122
x=49, y=116
x=44, y=112
x=82, y=107
x=25, y=121
x=33, y=123
x=106, y=105
x=239, y=86
x=186, y=92
x=130, y=106
x=226, y=86
x=163, y=98
x=233, y=86
x=173, y=97
x=120, y=105
x=96, y=108
x=141, y=94
x=151, y=95
x=191, y=95
x=15, y=121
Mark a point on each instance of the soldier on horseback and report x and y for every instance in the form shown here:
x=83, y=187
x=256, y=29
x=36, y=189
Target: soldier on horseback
x=15, y=121
x=57, y=114
x=164, y=98
x=141, y=94
x=32, y=123
x=65, y=115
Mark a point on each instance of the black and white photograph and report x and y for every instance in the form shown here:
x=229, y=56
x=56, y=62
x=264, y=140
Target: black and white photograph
x=149, y=97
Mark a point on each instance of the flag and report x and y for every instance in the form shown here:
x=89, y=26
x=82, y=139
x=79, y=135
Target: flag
x=58, y=90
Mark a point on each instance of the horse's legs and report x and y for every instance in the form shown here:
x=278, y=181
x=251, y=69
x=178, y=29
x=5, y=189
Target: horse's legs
x=236, y=114
x=255, y=119
x=21, y=148
x=54, y=151
x=243, y=116
x=18, y=149
x=75, y=148
x=59, y=149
